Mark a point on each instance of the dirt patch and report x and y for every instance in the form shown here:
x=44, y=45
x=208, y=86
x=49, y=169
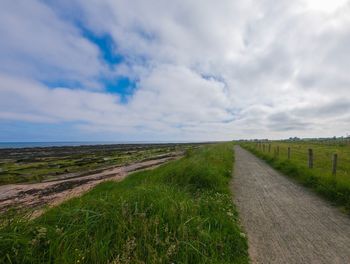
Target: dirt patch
x=55, y=192
x=285, y=222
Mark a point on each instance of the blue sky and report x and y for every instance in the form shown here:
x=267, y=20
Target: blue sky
x=75, y=70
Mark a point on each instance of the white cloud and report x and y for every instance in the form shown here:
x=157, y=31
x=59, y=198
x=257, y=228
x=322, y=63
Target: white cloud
x=326, y=6
x=36, y=43
x=205, y=70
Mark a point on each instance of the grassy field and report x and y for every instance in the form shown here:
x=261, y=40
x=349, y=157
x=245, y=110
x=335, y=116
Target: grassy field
x=38, y=164
x=181, y=212
x=336, y=188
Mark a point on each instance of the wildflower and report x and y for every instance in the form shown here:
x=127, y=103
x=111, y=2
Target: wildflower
x=59, y=230
x=171, y=250
x=33, y=242
x=242, y=235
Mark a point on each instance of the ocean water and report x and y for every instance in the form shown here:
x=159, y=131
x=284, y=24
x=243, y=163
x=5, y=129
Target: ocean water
x=61, y=144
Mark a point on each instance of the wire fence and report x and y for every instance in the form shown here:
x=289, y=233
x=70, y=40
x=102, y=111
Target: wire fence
x=327, y=159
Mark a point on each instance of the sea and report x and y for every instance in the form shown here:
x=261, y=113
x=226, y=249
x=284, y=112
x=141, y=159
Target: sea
x=73, y=143
x=64, y=144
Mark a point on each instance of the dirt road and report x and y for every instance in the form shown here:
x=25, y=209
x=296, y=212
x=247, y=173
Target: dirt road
x=285, y=222
x=51, y=193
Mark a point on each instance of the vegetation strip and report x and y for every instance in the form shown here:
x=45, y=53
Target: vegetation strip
x=181, y=212
x=32, y=165
x=37, y=196
x=292, y=159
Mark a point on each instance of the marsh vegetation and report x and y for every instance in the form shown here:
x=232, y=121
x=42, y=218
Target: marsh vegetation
x=50, y=163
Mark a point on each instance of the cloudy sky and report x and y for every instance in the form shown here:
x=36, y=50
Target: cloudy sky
x=173, y=70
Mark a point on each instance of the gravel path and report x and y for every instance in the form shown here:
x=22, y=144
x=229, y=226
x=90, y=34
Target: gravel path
x=285, y=222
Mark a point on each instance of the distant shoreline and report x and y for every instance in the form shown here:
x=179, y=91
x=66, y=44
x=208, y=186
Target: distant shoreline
x=6, y=145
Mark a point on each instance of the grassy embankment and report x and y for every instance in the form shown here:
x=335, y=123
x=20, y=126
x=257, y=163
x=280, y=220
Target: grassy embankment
x=181, y=212
x=334, y=188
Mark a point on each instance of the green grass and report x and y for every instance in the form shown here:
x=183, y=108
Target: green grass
x=37, y=169
x=181, y=212
x=334, y=188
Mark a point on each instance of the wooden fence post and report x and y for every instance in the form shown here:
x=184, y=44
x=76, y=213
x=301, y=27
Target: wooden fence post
x=278, y=151
x=334, y=164
x=263, y=147
x=311, y=159
x=269, y=148
x=289, y=153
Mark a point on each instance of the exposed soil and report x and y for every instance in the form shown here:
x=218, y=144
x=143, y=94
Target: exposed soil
x=51, y=193
x=38, y=164
x=284, y=221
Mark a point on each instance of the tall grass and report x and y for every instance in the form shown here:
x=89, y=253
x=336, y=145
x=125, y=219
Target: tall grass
x=335, y=188
x=181, y=212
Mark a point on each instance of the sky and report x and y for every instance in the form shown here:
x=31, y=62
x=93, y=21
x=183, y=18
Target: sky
x=157, y=70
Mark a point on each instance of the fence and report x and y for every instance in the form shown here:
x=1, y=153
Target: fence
x=327, y=159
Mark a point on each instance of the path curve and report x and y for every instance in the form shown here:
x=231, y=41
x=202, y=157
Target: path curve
x=284, y=221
